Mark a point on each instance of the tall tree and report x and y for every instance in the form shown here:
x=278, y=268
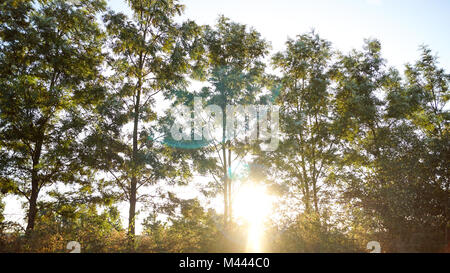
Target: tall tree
x=398, y=164
x=235, y=76
x=49, y=76
x=151, y=53
x=308, y=146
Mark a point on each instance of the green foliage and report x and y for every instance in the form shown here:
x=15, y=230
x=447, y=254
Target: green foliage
x=49, y=75
x=234, y=70
x=151, y=53
x=399, y=168
x=308, y=145
x=307, y=234
x=191, y=229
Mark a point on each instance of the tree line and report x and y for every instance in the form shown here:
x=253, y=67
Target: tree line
x=363, y=153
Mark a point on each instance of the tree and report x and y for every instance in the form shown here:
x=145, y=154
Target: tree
x=235, y=76
x=308, y=147
x=49, y=76
x=151, y=53
x=398, y=175
x=188, y=228
x=2, y=208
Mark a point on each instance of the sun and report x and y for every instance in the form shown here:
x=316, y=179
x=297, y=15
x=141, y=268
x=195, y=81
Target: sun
x=253, y=204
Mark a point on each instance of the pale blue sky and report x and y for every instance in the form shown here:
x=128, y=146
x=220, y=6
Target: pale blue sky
x=400, y=25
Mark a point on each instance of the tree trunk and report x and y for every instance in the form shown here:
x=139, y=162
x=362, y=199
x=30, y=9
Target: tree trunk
x=225, y=189
x=132, y=211
x=307, y=197
x=32, y=210
x=133, y=186
x=225, y=174
x=315, y=199
x=230, y=200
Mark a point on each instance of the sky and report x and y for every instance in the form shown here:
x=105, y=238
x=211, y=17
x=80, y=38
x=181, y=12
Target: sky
x=401, y=26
